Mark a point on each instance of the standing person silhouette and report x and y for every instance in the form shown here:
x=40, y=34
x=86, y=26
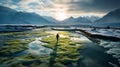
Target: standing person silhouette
x=57, y=36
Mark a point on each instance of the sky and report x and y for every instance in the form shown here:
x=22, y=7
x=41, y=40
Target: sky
x=62, y=9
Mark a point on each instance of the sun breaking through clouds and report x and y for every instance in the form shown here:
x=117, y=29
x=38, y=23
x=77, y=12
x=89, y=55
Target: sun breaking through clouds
x=61, y=9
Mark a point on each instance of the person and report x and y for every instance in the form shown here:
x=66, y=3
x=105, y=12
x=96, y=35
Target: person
x=108, y=27
x=57, y=36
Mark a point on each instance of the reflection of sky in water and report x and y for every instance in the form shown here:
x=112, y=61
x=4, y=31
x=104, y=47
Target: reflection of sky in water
x=114, y=49
x=36, y=47
x=79, y=38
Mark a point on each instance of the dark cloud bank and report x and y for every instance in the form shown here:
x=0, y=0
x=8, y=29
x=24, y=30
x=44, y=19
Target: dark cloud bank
x=101, y=6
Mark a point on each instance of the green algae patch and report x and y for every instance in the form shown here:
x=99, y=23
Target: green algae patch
x=1, y=40
x=34, y=60
x=39, y=34
x=13, y=46
x=50, y=40
x=67, y=51
x=10, y=50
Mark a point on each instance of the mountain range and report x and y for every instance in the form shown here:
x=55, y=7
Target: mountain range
x=80, y=20
x=72, y=20
x=10, y=16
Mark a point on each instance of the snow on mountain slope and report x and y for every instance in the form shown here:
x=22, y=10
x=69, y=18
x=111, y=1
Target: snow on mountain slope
x=78, y=20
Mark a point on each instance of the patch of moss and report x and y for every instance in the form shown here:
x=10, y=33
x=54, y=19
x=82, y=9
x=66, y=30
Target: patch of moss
x=29, y=57
x=1, y=36
x=38, y=34
x=10, y=50
x=13, y=46
x=19, y=41
x=1, y=40
x=35, y=60
x=74, y=43
x=32, y=57
x=36, y=64
x=17, y=65
x=59, y=65
x=28, y=40
x=15, y=41
x=8, y=33
x=20, y=36
x=50, y=40
x=44, y=65
x=4, y=59
x=67, y=49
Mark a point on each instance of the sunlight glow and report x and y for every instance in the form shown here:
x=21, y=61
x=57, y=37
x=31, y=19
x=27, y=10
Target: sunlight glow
x=61, y=15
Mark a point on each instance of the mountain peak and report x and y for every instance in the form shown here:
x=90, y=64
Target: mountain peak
x=113, y=16
x=71, y=17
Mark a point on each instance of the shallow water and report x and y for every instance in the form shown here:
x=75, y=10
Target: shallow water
x=113, y=49
x=105, y=54
x=96, y=56
x=36, y=47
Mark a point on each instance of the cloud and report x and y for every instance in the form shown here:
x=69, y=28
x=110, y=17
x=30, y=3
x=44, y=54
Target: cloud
x=38, y=6
x=8, y=3
x=5, y=1
x=99, y=6
x=70, y=7
x=35, y=3
x=88, y=7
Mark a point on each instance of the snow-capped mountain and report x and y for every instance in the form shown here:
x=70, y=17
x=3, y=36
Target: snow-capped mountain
x=83, y=20
x=69, y=20
x=10, y=16
x=79, y=20
x=113, y=16
x=92, y=18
